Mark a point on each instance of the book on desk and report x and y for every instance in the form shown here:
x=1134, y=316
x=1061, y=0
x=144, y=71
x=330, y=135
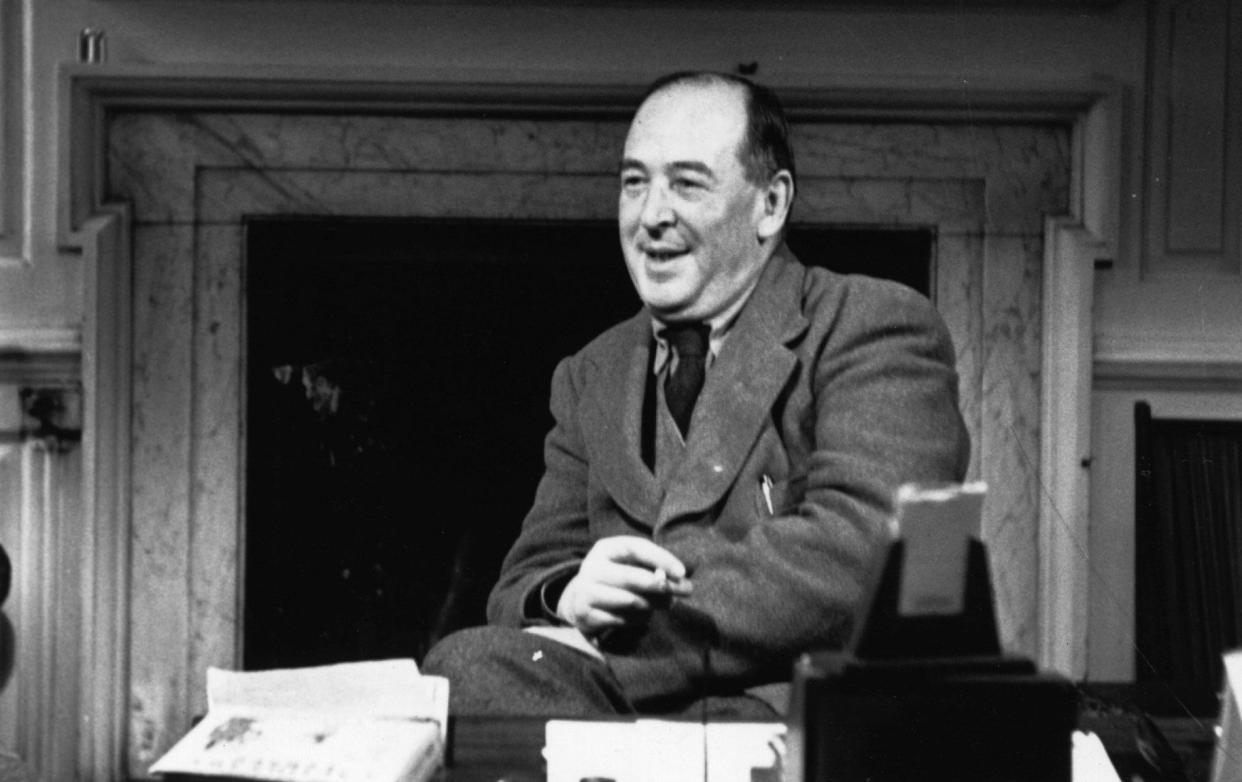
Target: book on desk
x=378, y=721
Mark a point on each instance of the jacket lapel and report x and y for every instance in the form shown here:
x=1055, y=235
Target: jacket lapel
x=741, y=387
x=612, y=422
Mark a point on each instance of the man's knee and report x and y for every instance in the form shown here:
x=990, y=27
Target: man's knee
x=503, y=670
x=468, y=650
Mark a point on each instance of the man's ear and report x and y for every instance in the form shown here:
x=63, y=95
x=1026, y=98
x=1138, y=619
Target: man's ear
x=778, y=197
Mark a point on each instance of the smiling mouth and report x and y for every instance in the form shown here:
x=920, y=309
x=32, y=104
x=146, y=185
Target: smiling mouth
x=663, y=255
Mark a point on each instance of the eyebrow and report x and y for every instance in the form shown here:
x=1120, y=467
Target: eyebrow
x=681, y=165
x=695, y=166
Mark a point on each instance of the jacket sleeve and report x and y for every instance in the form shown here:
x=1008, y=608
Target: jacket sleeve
x=881, y=402
x=554, y=537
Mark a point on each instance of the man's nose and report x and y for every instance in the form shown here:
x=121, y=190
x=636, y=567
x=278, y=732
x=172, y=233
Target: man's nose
x=657, y=211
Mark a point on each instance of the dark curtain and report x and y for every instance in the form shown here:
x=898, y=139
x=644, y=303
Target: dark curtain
x=1188, y=546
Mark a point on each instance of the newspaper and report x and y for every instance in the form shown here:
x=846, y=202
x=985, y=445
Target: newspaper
x=377, y=721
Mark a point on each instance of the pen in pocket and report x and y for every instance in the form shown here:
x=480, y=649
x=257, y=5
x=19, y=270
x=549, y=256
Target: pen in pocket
x=766, y=485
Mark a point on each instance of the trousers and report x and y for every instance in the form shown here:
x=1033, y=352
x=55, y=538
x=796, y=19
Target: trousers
x=503, y=671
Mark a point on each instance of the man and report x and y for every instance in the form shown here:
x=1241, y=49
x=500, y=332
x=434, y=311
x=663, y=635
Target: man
x=679, y=549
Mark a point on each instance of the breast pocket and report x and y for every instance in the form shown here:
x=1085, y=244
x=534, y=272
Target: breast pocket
x=779, y=498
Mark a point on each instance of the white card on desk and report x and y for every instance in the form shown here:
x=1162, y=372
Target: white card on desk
x=1090, y=760
x=936, y=525
x=661, y=750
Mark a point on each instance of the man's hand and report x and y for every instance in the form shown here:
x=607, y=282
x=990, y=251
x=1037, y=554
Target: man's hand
x=619, y=582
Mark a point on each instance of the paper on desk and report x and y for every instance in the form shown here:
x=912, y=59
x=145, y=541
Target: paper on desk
x=1227, y=759
x=290, y=747
x=356, y=722
x=1090, y=760
x=936, y=525
x=660, y=750
x=372, y=689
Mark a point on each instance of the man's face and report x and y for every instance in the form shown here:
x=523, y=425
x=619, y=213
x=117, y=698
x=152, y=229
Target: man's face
x=688, y=215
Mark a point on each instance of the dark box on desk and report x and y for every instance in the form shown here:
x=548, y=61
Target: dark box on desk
x=993, y=719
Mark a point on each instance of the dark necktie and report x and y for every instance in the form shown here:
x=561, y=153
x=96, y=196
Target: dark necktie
x=682, y=386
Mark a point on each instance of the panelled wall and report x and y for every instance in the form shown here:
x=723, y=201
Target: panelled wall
x=1169, y=310
x=1193, y=171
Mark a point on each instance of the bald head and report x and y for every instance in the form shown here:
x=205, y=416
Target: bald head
x=765, y=147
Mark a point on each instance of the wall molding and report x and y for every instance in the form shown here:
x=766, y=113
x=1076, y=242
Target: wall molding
x=43, y=546
x=1069, y=255
x=37, y=368
x=101, y=680
x=90, y=92
x=40, y=339
x=1167, y=362
x=16, y=133
x=40, y=356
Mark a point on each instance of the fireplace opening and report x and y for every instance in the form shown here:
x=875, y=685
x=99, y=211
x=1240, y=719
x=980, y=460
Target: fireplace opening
x=396, y=405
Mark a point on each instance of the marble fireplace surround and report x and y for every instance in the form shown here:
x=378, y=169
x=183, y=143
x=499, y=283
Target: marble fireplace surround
x=162, y=170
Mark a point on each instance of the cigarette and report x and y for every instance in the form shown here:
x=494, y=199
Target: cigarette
x=670, y=583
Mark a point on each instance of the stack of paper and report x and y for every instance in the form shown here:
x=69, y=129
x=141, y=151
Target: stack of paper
x=663, y=751
x=356, y=722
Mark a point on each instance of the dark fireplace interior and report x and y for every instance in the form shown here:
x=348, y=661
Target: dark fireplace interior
x=397, y=381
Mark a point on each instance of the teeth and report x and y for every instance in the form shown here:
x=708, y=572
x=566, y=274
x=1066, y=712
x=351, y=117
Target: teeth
x=664, y=255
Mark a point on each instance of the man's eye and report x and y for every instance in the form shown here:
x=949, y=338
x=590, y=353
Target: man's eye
x=687, y=184
x=632, y=182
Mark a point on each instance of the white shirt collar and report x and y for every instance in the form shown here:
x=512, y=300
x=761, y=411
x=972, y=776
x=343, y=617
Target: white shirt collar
x=720, y=326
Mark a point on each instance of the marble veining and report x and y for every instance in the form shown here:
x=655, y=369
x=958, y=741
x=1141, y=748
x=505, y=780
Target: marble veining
x=223, y=194
x=192, y=178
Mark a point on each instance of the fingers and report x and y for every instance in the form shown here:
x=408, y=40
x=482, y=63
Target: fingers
x=637, y=551
x=614, y=600
x=593, y=607
x=672, y=585
x=630, y=578
x=594, y=621
x=635, y=564
x=619, y=582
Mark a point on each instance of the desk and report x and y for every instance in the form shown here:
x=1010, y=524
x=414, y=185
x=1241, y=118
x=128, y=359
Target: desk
x=487, y=749
x=1183, y=715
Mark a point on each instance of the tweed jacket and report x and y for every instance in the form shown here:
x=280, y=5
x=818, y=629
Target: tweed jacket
x=829, y=392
